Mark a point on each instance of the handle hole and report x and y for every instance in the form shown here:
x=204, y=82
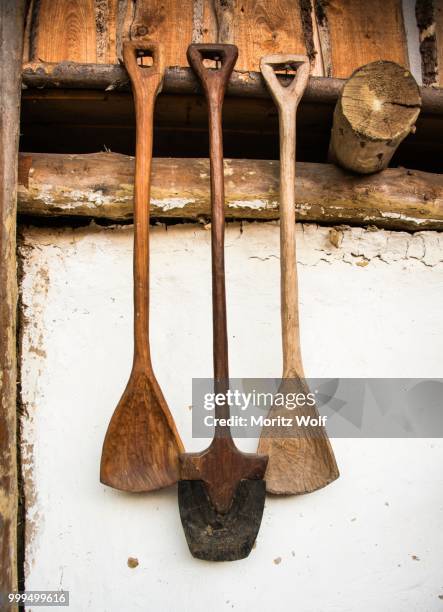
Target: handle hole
x=211, y=60
x=145, y=58
x=211, y=64
x=288, y=70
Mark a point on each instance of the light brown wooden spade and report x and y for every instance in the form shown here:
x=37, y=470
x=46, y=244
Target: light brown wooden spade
x=301, y=458
x=142, y=446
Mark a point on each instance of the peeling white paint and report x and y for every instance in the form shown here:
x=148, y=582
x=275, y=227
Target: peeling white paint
x=171, y=203
x=46, y=193
x=303, y=207
x=252, y=204
x=92, y=198
x=88, y=198
x=395, y=215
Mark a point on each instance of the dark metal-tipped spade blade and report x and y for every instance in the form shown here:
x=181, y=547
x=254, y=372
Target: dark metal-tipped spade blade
x=221, y=494
x=213, y=536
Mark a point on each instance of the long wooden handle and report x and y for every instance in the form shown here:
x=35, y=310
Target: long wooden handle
x=144, y=62
x=214, y=82
x=287, y=100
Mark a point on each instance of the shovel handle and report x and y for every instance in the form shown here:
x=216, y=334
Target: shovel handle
x=221, y=466
x=287, y=100
x=144, y=62
x=214, y=82
x=286, y=97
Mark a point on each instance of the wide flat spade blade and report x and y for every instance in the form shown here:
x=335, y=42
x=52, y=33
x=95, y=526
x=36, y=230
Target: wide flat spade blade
x=213, y=536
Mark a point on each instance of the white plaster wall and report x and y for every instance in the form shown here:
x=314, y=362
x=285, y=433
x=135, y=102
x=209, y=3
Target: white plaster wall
x=371, y=541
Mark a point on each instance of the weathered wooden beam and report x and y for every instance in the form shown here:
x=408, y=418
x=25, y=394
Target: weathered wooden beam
x=108, y=77
x=11, y=50
x=376, y=110
x=101, y=186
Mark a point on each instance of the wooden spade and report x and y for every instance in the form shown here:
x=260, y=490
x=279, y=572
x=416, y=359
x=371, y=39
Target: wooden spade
x=301, y=459
x=221, y=493
x=142, y=445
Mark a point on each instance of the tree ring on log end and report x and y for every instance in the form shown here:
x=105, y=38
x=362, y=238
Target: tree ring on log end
x=380, y=99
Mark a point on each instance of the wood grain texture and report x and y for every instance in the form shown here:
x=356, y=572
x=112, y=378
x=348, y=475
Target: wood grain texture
x=101, y=29
x=101, y=185
x=377, y=109
x=12, y=16
x=323, y=45
x=65, y=30
x=313, y=34
x=256, y=27
x=169, y=22
x=209, y=28
x=439, y=39
x=225, y=16
x=302, y=462
x=222, y=469
x=287, y=100
x=27, y=56
x=363, y=32
x=106, y=24
x=425, y=14
x=140, y=451
x=142, y=445
x=198, y=21
x=112, y=27
x=124, y=18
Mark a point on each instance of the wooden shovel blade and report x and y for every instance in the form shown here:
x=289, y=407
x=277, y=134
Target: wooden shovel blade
x=142, y=446
x=298, y=465
x=213, y=536
x=301, y=459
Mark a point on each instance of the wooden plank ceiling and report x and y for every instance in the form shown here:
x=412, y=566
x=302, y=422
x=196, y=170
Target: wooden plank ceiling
x=257, y=28
x=344, y=33
x=64, y=30
x=362, y=32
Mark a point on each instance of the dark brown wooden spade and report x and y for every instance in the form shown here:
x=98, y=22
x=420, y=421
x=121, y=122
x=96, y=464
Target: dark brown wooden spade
x=221, y=493
x=142, y=445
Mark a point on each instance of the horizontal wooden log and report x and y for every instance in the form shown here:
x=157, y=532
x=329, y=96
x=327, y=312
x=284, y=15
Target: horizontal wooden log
x=100, y=185
x=70, y=75
x=108, y=77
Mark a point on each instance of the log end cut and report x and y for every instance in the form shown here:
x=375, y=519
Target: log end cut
x=377, y=109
